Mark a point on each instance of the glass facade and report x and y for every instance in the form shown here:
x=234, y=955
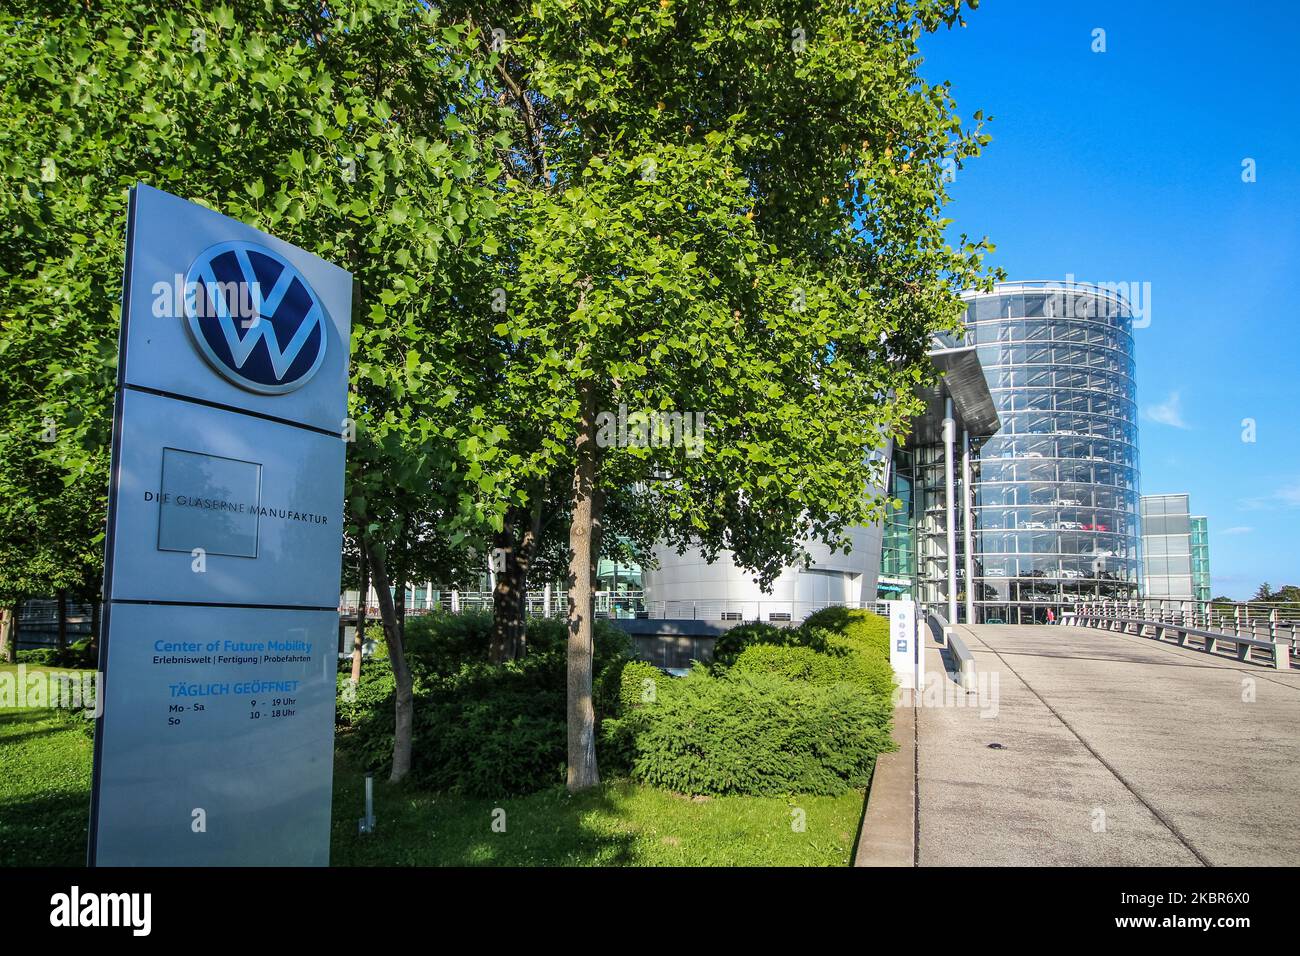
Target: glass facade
x=1200, y=558
x=929, y=476
x=1169, y=547
x=1056, y=489
x=914, y=546
x=898, y=538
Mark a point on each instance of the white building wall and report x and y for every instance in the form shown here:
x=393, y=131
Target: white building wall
x=687, y=586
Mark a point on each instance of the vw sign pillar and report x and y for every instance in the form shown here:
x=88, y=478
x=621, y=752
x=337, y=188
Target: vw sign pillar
x=214, y=744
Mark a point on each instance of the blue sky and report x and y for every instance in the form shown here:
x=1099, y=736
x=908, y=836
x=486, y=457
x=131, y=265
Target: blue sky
x=1126, y=166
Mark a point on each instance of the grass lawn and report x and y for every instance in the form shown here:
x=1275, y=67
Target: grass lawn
x=45, y=760
x=618, y=824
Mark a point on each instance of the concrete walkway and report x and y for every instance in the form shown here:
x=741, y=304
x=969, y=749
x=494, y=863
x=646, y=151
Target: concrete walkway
x=1114, y=750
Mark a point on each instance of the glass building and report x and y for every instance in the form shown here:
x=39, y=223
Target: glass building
x=1200, y=558
x=1056, y=488
x=1175, y=550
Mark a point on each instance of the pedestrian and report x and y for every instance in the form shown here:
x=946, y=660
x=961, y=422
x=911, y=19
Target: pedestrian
x=1051, y=616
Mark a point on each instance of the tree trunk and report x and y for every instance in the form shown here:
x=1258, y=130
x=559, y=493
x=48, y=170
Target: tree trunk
x=359, y=636
x=62, y=626
x=524, y=561
x=521, y=633
x=399, y=586
x=404, y=705
x=583, y=772
x=513, y=559
x=399, y=604
x=505, y=599
x=95, y=617
x=8, y=652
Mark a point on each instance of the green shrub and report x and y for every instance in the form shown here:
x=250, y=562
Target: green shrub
x=492, y=731
x=612, y=649
x=842, y=663
x=546, y=635
x=39, y=657
x=481, y=729
x=792, y=663
x=869, y=631
x=732, y=644
x=754, y=733
x=371, y=701
x=830, y=618
x=440, y=643
x=786, y=709
x=870, y=667
x=640, y=684
x=802, y=709
x=79, y=654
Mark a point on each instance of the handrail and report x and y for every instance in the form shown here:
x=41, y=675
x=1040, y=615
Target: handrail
x=1188, y=619
x=1271, y=616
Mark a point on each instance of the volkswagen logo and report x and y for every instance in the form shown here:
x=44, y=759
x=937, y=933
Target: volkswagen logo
x=254, y=317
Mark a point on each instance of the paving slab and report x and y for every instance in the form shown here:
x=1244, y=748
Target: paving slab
x=1109, y=749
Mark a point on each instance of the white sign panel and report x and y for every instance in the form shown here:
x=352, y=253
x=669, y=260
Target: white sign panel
x=215, y=744
x=903, y=650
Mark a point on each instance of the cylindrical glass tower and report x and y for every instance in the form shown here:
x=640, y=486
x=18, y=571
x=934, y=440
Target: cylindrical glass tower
x=1056, y=489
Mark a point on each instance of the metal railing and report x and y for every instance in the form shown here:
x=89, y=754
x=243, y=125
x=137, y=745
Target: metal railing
x=1262, y=621
x=1246, y=625
x=628, y=605
x=769, y=611
x=536, y=604
x=38, y=622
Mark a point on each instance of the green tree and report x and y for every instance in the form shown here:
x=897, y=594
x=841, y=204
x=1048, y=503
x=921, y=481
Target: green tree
x=729, y=209
x=356, y=129
x=1287, y=594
